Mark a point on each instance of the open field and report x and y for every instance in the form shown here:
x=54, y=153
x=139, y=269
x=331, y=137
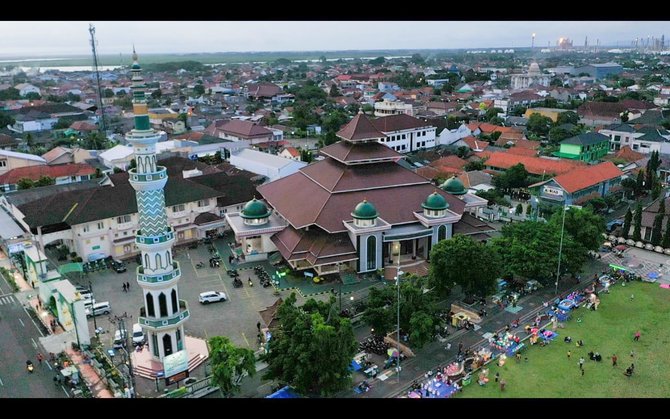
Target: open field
x=549, y=373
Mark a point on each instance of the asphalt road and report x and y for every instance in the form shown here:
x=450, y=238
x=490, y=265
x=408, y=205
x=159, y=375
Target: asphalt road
x=19, y=340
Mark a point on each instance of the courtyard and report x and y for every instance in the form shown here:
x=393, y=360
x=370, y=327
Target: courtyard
x=549, y=372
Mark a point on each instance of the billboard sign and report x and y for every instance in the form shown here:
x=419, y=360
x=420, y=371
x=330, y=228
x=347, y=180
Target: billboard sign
x=175, y=363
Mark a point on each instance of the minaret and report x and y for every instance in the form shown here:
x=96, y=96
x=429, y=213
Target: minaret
x=163, y=315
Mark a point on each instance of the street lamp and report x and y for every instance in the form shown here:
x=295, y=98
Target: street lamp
x=560, y=249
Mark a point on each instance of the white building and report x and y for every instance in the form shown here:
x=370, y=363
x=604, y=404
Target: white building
x=387, y=107
x=643, y=140
x=25, y=88
x=534, y=76
x=449, y=137
x=268, y=165
x=405, y=133
x=117, y=156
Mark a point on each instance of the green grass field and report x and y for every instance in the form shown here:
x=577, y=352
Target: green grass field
x=549, y=372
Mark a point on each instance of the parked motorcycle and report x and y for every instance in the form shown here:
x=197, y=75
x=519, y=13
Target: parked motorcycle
x=199, y=265
x=237, y=283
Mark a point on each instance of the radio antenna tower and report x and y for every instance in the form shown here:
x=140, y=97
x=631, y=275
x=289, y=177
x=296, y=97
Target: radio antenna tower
x=91, y=30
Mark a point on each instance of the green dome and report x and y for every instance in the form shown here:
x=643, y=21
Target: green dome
x=365, y=210
x=435, y=202
x=255, y=209
x=454, y=186
x=136, y=66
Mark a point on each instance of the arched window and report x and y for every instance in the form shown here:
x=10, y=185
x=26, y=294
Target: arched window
x=159, y=264
x=150, y=305
x=168, y=259
x=173, y=297
x=146, y=261
x=180, y=345
x=372, y=252
x=167, y=344
x=148, y=164
x=441, y=232
x=162, y=304
x=140, y=165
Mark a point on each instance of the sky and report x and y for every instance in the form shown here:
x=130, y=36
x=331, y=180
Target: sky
x=53, y=38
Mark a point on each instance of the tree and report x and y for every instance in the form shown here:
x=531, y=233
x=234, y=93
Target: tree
x=665, y=243
x=108, y=93
x=156, y=94
x=421, y=326
x=539, y=125
x=199, y=89
x=10, y=94
x=307, y=351
x=379, y=310
x=334, y=91
x=568, y=117
x=230, y=364
x=656, y=189
x=518, y=110
x=519, y=209
x=62, y=123
x=556, y=82
x=637, y=226
x=626, y=224
x=417, y=59
x=33, y=96
x=306, y=156
x=45, y=181
x=474, y=165
x=639, y=186
x=377, y=61
x=558, y=134
x=629, y=185
x=457, y=260
x=133, y=164
x=492, y=113
x=583, y=226
x=25, y=183
x=656, y=233
x=6, y=120
x=514, y=177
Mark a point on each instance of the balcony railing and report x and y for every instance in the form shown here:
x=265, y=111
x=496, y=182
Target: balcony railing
x=181, y=316
x=160, y=173
x=162, y=238
x=156, y=278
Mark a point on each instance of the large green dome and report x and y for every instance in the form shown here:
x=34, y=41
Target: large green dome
x=454, y=186
x=435, y=202
x=365, y=210
x=255, y=209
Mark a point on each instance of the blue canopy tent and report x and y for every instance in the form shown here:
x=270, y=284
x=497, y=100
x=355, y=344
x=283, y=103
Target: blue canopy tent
x=284, y=393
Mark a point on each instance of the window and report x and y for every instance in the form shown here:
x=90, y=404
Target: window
x=173, y=297
x=154, y=340
x=441, y=232
x=123, y=219
x=423, y=133
x=150, y=305
x=86, y=229
x=404, y=136
x=125, y=233
x=73, y=178
x=162, y=304
x=101, y=225
x=404, y=146
x=617, y=138
x=178, y=208
x=3, y=163
x=372, y=252
x=203, y=203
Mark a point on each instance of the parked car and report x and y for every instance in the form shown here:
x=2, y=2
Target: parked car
x=98, y=309
x=120, y=339
x=118, y=266
x=138, y=335
x=613, y=225
x=212, y=297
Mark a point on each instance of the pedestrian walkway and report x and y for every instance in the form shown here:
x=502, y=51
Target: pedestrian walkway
x=92, y=379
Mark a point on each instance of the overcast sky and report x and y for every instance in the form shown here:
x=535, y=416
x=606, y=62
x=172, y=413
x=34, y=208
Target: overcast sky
x=54, y=38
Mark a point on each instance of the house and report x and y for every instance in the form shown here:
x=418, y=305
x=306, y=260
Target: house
x=174, y=126
x=498, y=162
x=263, y=90
x=393, y=107
x=118, y=156
x=10, y=160
x=443, y=108
x=579, y=186
x=25, y=88
x=84, y=127
x=237, y=130
x=600, y=113
x=643, y=139
x=264, y=164
x=649, y=214
x=453, y=136
x=476, y=180
x=587, y=147
x=290, y=153
x=550, y=113
x=523, y=98
x=64, y=155
x=7, y=142
x=404, y=133
x=62, y=174
x=43, y=117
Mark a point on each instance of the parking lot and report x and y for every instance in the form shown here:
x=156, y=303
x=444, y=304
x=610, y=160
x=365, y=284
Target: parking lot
x=235, y=318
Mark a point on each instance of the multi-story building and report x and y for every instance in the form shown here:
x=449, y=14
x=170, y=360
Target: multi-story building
x=393, y=107
x=643, y=140
x=61, y=174
x=534, y=76
x=10, y=160
x=587, y=147
x=404, y=133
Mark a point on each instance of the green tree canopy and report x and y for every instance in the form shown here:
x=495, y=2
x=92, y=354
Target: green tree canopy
x=310, y=351
x=230, y=364
x=568, y=117
x=5, y=120
x=539, y=125
x=25, y=183
x=637, y=220
x=583, y=226
x=514, y=177
x=625, y=230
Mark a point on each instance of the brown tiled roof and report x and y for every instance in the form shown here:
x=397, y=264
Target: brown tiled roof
x=637, y=104
x=474, y=143
x=264, y=89
x=469, y=225
x=55, y=153
x=583, y=177
x=347, y=152
x=521, y=151
x=314, y=245
x=428, y=172
x=35, y=172
x=6, y=140
x=626, y=153
x=359, y=128
x=398, y=122
x=450, y=161
x=83, y=126
x=245, y=129
x=474, y=178
x=205, y=217
x=534, y=165
x=607, y=109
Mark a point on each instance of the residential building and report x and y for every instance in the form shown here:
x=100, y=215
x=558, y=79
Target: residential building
x=263, y=90
x=62, y=174
x=264, y=164
x=649, y=214
x=355, y=211
x=550, y=113
x=237, y=130
x=290, y=153
x=118, y=156
x=588, y=147
x=643, y=140
x=7, y=142
x=10, y=160
x=533, y=76
x=579, y=186
x=453, y=136
x=388, y=107
x=404, y=133
x=64, y=155
x=600, y=113
x=25, y=88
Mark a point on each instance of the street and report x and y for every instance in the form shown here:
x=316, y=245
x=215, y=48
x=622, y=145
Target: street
x=19, y=339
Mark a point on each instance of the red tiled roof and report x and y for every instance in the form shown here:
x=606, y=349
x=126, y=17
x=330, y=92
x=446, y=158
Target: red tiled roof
x=359, y=128
x=428, y=172
x=534, y=165
x=487, y=128
x=608, y=109
x=292, y=151
x=475, y=144
x=583, y=177
x=521, y=151
x=629, y=155
x=35, y=172
x=450, y=161
x=191, y=136
x=350, y=153
x=83, y=126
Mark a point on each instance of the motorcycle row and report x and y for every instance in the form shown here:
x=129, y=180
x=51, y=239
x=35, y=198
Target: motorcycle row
x=258, y=270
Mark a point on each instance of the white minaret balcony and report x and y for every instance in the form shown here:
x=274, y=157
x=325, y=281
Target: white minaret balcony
x=148, y=181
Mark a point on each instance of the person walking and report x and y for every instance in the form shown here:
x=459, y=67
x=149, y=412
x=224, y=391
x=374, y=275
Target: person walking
x=581, y=363
x=637, y=336
x=40, y=357
x=497, y=377
x=124, y=287
x=127, y=286
x=582, y=371
x=503, y=383
x=614, y=359
x=569, y=354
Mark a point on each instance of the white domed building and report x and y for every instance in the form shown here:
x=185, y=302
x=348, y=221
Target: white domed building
x=533, y=76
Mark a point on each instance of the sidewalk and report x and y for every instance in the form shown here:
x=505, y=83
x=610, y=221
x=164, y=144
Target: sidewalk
x=94, y=382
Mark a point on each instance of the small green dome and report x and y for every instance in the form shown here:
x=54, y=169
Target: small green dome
x=435, y=202
x=255, y=209
x=453, y=186
x=365, y=210
x=136, y=66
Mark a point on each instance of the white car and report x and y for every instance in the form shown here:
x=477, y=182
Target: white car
x=138, y=334
x=212, y=297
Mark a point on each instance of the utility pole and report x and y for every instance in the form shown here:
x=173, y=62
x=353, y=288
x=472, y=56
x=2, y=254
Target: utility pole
x=125, y=335
x=91, y=30
x=560, y=249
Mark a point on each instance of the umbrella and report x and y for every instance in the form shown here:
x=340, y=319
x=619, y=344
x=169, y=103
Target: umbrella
x=653, y=275
x=621, y=247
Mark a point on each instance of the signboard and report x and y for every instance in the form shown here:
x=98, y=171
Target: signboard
x=176, y=378
x=175, y=363
x=548, y=190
